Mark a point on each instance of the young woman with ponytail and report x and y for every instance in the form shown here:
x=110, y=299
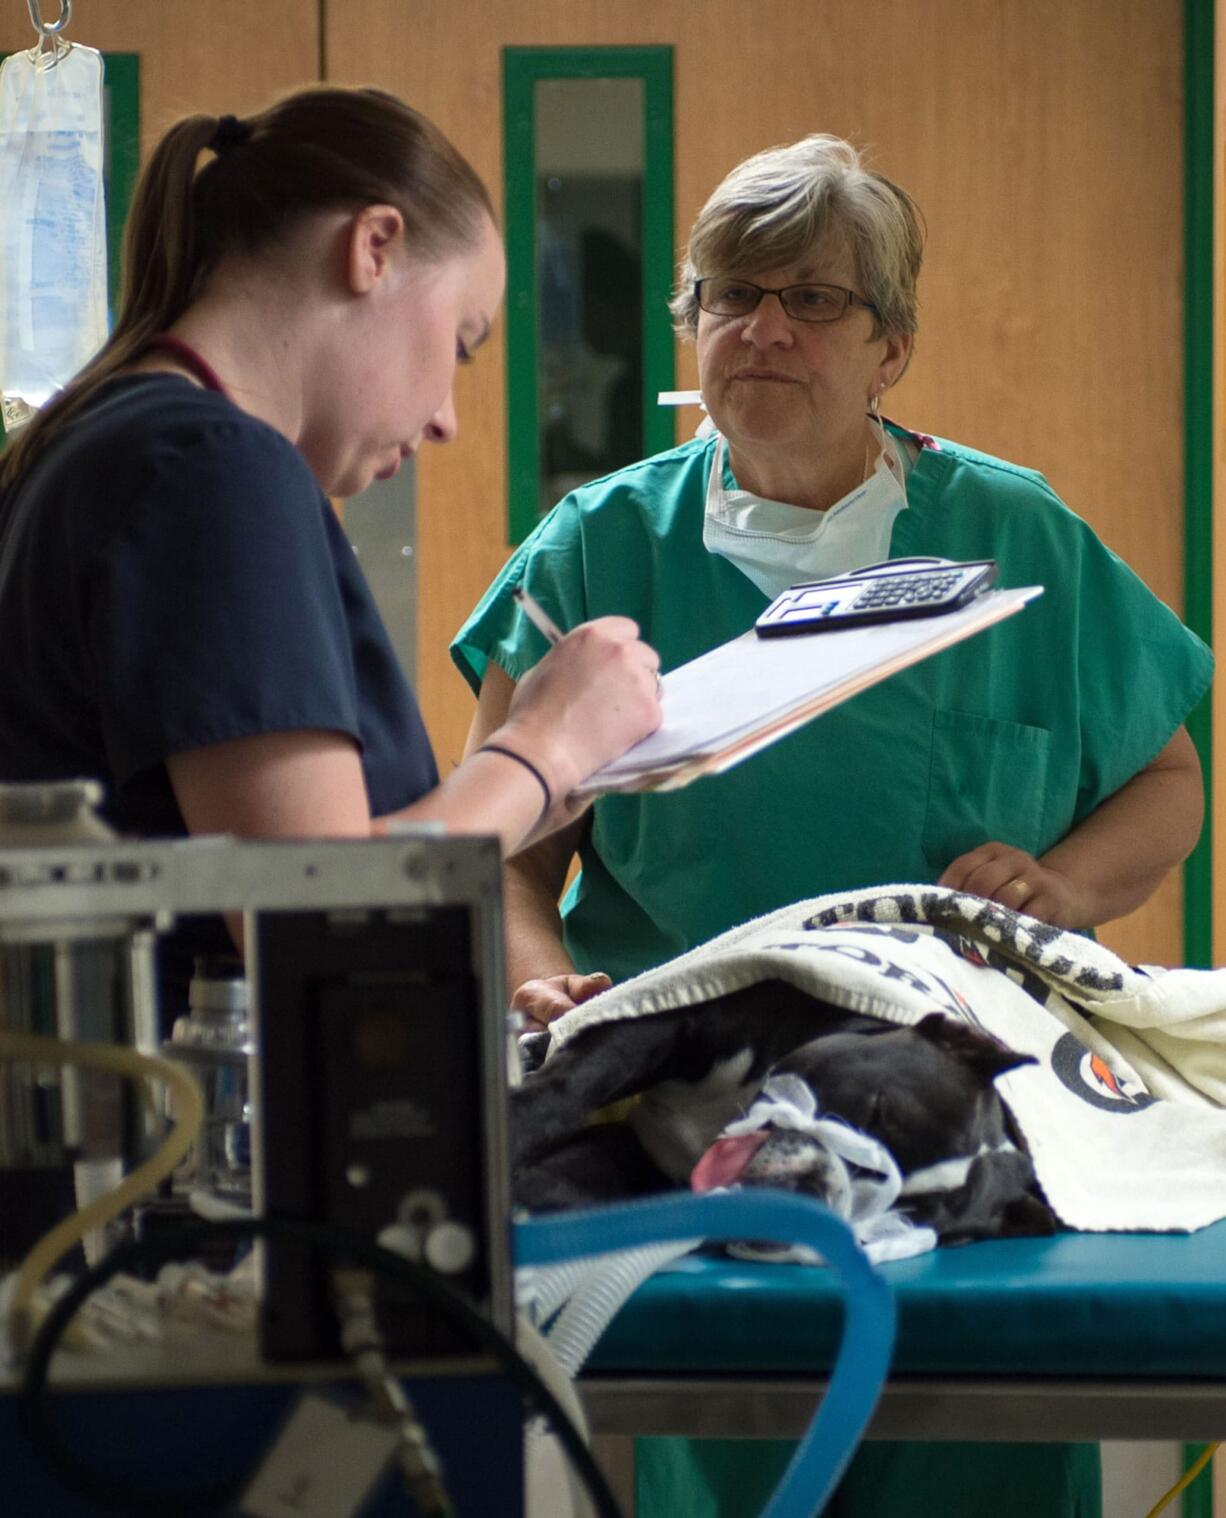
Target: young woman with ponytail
x=180, y=614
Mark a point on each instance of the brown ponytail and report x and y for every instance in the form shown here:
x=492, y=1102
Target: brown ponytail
x=316, y=149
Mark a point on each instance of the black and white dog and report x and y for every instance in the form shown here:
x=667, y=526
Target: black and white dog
x=925, y=1092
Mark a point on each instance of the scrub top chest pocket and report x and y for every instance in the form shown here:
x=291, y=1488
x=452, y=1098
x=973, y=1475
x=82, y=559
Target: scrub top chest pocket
x=987, y=781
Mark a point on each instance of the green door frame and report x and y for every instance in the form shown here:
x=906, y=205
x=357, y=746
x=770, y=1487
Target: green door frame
x=1198, y=437
x=1199, y=220
x=521, y=68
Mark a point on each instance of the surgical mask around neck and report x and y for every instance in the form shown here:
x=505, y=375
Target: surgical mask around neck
x=776, y=545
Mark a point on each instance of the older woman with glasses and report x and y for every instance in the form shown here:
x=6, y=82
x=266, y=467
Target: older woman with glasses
x=1043, y=764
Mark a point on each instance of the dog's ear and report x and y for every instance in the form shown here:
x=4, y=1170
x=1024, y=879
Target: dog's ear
x=980, y=1051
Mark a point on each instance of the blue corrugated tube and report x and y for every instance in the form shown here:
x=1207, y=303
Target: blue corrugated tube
x=784, y=1218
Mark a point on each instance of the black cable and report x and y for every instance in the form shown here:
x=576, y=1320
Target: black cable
x=40, y=1429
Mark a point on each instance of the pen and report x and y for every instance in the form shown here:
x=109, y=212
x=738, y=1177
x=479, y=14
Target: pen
x=539, y=618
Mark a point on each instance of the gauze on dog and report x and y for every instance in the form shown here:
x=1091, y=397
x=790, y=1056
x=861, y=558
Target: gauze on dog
x=862, y=1176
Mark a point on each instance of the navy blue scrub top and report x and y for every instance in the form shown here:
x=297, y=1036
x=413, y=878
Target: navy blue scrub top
x=171, y=576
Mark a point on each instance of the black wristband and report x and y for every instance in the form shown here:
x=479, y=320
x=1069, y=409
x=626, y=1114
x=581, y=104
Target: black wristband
x=497, y=748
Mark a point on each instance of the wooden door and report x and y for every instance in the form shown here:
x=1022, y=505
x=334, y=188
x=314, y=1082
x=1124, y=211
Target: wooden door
x=1044, y=143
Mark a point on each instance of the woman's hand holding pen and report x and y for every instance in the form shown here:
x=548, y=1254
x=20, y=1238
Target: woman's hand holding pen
x=595, y=694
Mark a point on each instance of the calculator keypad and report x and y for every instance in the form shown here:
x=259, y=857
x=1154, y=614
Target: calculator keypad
x=909, y=590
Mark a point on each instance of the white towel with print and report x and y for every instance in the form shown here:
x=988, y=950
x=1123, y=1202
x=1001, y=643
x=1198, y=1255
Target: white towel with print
x=1123, y=1112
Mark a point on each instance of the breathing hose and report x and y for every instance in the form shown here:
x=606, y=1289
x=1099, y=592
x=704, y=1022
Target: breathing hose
x=868, y=1320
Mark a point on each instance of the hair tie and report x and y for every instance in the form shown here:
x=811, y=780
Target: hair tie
x=510, y=753
x=230, y=133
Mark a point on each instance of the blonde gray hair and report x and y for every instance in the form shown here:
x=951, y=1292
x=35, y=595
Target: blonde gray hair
x=785, y=202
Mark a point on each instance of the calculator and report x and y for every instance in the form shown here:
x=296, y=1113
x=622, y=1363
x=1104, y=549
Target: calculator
x=895, y=590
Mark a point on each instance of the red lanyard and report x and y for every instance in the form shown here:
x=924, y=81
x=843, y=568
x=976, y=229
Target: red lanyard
x=164, y=342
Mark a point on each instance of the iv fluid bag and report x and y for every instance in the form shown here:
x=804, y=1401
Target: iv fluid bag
x=52, y=224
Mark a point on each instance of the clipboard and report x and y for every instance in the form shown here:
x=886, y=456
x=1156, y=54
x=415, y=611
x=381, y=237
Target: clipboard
x=748, y=693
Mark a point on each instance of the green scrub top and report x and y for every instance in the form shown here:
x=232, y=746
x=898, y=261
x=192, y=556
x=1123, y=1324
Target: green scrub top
x=1015, y=735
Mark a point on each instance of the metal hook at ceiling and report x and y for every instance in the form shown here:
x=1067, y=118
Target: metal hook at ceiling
x=49, y=28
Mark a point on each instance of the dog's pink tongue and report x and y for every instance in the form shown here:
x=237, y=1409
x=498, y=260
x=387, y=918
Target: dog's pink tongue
x=724, y=1162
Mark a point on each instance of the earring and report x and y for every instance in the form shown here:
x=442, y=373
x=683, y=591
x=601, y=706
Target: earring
x=874, y=403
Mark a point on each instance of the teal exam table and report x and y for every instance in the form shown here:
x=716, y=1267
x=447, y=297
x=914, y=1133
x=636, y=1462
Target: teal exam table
x=1075, y=1337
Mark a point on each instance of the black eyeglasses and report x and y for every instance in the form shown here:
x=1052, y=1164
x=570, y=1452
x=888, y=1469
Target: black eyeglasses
x=726, y=296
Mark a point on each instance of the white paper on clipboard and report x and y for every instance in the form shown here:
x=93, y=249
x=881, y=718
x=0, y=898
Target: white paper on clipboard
x=744, y=695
